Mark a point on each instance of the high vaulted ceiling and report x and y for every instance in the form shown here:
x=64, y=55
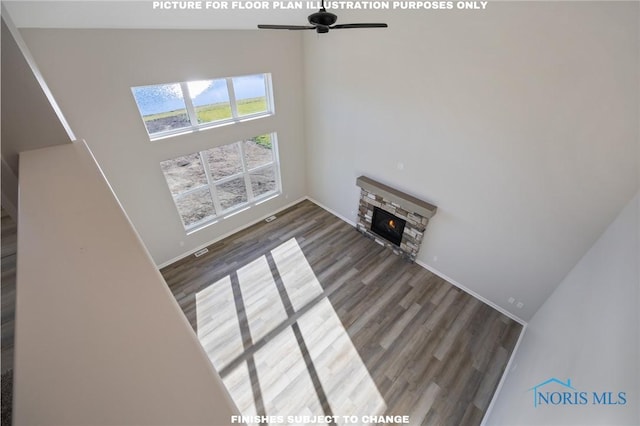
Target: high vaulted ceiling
x=142, y=14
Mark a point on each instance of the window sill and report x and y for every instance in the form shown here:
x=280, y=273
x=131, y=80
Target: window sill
x=194, y=129
x=205, y=223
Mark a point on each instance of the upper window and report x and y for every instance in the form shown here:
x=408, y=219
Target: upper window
x=219, y=181
x=168, y=109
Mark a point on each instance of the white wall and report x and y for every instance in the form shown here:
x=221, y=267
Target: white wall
x=100, y=340
x=520, y=122
x=23, y=103
x=90, y=72
x=588, y=331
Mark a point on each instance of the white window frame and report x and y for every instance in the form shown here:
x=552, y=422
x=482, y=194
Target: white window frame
x=193, y=117
x=244, y=173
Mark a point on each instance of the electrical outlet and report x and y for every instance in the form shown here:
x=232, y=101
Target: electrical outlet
x=270, y=219
x=511, y=300
x=519, y=305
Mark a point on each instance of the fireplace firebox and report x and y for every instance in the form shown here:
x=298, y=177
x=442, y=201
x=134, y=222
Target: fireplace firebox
x=387, y=225
x=392, y=218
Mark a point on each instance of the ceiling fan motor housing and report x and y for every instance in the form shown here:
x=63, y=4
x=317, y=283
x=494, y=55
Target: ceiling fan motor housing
x=321, y=21
x=322, y=18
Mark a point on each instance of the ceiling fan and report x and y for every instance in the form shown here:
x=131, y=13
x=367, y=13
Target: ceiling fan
x=321, y=21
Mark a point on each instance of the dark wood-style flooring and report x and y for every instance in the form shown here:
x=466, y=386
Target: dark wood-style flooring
x=9, y=243
x=305, y=316
x=9, y=248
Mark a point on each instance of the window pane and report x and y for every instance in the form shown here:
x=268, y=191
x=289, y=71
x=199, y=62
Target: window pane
x=184, y=173
x=258, y=151
x=263, y=181
x=195, y=206
x=232, y=193
x=224, y=161
x=210, y=100
x=162, y=107
x=251, y=94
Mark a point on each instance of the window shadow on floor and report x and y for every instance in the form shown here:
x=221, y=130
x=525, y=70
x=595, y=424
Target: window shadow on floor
x=309, y=316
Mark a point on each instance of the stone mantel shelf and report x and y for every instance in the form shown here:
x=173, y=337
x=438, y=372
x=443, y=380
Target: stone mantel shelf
x=408, y=202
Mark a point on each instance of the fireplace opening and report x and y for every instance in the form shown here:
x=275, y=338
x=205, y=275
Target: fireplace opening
x=387, y=225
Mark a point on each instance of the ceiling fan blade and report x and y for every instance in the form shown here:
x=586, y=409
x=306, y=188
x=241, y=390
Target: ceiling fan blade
x=286, y=27
x=343, y=26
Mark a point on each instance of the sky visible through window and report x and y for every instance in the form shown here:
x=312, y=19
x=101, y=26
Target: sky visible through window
x=206, y=92
x=161, y=98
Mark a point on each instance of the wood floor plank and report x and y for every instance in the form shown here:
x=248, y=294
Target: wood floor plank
x=306, y=316
x=9, y=239
x=422, y=407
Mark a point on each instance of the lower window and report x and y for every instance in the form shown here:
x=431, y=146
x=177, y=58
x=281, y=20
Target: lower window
x=219, y=181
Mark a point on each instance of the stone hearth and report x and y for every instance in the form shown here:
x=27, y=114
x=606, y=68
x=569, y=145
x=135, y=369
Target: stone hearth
x=414, y=211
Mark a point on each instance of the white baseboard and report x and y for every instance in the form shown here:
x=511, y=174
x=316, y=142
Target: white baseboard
x=472, y=293
x=350, y=222
x=434, y=271
x=228, y=234
x=499, y=309
x=333, y=212
x=506, y=372
x=419, y=262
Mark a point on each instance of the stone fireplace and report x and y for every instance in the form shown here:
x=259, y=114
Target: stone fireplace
x=392, y=218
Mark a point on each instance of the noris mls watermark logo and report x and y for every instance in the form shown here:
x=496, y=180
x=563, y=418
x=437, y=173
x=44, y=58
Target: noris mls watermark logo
x=556, y=392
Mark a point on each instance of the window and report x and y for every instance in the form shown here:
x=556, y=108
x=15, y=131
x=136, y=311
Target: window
x=217, y=182
x=162, y=107
x=210, y=100
x=169, y=109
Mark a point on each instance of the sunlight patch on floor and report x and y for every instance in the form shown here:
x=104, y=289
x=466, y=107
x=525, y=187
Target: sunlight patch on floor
x=283, y=374
x=308, y=368
x=349, y=388
x=218, y=327
x=262, y=302
x=238, y=384
x=296, y=273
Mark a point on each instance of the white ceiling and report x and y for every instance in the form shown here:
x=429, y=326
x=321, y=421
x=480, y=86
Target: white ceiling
x=141, y=14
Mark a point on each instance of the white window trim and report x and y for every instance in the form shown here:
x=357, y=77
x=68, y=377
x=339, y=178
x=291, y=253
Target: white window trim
x=235, y=118
x=245, y=173
x=188, y=102
x=232, y=98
